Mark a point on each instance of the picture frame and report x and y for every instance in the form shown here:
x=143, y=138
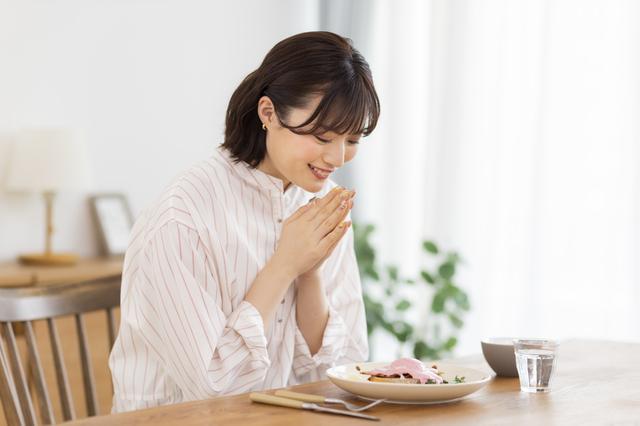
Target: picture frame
x=113, y=219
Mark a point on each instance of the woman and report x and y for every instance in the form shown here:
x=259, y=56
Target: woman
x=243, y=276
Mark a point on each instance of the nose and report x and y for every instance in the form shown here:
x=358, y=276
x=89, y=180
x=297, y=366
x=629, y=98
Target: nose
x=334, y=153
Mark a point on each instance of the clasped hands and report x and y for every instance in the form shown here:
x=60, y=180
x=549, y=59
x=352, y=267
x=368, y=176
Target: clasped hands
x=310, y=234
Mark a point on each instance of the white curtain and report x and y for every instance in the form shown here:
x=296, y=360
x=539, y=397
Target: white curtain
x=509, y=133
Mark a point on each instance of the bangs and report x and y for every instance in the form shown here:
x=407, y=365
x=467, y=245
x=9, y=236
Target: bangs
x=346, y=108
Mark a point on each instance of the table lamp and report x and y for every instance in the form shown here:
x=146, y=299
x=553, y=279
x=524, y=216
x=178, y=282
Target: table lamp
x=46, y=161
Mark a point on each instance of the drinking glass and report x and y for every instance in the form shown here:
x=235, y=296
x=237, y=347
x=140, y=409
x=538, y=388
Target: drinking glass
x=536, y=360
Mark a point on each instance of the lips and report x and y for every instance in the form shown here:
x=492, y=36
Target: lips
x=320, y=173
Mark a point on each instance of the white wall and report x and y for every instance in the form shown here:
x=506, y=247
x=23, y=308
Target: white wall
x=145, y=82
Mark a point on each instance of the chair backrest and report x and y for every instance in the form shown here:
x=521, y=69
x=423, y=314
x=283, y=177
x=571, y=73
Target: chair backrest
x=25, y=305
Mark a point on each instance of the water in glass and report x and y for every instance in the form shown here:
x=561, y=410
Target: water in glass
x=535, y=367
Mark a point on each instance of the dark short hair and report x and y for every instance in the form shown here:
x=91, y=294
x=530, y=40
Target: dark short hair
x=296, y=68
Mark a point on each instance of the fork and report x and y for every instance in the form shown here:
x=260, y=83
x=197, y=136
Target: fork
x=319, y=399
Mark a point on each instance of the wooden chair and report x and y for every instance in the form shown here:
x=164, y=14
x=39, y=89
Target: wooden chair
x=25, y=305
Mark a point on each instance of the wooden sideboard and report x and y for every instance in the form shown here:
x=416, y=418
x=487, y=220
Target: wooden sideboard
x=14, y=274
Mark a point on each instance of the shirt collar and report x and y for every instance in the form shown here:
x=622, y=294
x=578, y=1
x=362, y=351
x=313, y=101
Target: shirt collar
x=254, y=177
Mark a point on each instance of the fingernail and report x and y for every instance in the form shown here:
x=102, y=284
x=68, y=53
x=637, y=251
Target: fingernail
x=343, y=204
x=345, y=194
x=344, y=225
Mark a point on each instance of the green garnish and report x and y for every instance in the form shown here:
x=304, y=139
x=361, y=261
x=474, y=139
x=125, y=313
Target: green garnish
x=459, y=379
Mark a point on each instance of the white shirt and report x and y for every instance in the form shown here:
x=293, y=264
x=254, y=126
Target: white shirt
x=186, y=332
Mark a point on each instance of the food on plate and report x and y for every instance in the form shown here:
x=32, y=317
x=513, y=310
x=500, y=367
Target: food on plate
x=408, y=371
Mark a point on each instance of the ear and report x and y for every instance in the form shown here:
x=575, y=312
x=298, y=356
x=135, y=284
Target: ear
x=266, y=111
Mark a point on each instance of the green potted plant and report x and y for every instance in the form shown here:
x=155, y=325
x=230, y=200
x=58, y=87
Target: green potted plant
x=389, y=308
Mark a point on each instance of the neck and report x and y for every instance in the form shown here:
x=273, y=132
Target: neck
x=267, y=167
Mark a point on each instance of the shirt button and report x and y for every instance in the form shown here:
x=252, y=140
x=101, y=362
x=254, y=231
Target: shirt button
x=282, y=301
x=280, y=320
x=279, y=220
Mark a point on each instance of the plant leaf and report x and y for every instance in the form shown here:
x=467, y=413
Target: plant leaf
x=450, y=343
x=421, y=350
x=455, y=320
x=402, y=330
x=453, y=257
x=387, y=326
x=461, y=299
x=403, y=305
x=393, y=272
x=437, y=305
x=371, y=273
x=449, y=289
x=427, y=277
x=430, y=246
x=446, y=270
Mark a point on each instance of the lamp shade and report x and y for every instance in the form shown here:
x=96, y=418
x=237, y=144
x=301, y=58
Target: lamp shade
x=48, y=160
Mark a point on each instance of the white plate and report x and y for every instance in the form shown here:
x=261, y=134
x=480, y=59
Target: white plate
x=348, y=378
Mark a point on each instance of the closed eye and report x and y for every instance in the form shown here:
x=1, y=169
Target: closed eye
x=326, y=141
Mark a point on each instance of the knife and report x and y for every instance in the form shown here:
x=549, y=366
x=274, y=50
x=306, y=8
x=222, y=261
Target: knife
x=292, y=403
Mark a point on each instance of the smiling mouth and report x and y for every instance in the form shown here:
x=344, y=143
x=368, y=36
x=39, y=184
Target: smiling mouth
x=320, y=173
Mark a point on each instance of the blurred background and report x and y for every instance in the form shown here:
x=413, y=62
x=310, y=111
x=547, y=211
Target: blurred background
x=509, y=134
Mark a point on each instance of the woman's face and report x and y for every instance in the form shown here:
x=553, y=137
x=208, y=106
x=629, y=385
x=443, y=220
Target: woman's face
x=305, y=160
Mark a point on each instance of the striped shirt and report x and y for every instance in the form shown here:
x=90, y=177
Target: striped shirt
x=186, y=332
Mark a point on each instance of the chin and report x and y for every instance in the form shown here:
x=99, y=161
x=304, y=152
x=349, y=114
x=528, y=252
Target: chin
x=310, y=186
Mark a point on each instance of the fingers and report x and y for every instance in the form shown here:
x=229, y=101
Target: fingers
x=327, y=199
x=330, y=242
x=337, y=201
x=314, y=204
x=336, y=217
x=301, y=211
x=327, y=212
x=346, y=229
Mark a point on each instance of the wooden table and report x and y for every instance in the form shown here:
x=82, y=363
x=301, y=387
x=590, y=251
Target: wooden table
x=596, y=382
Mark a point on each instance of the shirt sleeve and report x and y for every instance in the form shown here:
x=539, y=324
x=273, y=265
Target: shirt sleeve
x=345, y=335
x=175, y=307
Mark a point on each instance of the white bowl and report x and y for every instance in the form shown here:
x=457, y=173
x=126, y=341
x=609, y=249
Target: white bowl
x=498, y=351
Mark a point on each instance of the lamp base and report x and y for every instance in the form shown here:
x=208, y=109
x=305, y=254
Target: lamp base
x=49, y=259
